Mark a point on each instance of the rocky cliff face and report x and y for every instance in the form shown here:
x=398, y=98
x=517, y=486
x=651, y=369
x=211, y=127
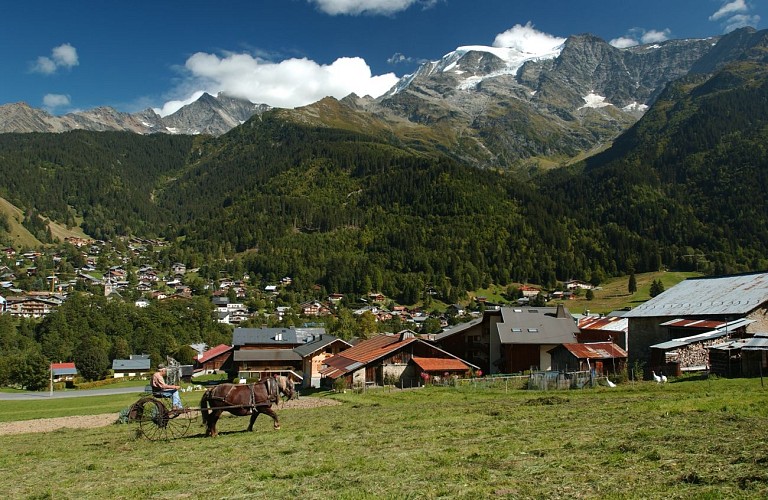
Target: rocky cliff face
x=515, y=109
x=208, y=115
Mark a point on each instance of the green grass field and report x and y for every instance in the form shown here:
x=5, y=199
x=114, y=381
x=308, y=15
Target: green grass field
x=686, y=439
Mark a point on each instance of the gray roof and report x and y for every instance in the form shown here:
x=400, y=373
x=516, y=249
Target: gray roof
x=536, y=325
x=739, y=294
x=461, y=327
x=321, y=342
x=757, y=343
x=141, y=364
x=275, y=336
x=266, y=355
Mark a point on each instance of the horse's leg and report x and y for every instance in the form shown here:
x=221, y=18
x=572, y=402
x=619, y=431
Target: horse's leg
x=212, y=419
x=254, y=414
x=267, y=410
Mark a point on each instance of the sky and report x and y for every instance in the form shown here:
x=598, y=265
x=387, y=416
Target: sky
x=65, y=56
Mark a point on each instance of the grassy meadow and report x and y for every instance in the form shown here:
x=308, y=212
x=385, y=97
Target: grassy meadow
x=685, y=439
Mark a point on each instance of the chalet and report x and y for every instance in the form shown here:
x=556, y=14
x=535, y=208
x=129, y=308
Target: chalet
x=214, y=359
x=314, y=308
x=529, y=291
x=30, y=307
x=598, y=357
x=314, y=353
x=178, y=269
x=63, y=371
x=724, y=298
x=511, y=339
x=137, y=365
x=259, y=352
x=387, y=358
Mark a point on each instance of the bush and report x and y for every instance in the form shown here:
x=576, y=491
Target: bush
x=339, y=385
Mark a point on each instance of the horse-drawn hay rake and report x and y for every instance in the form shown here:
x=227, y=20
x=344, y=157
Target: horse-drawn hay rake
x=157, y=420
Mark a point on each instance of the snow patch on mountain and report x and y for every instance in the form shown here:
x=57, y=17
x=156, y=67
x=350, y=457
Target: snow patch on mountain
x=635, y=106
x=594, y=101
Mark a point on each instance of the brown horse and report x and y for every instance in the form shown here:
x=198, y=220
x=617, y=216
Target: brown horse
x=241, y=400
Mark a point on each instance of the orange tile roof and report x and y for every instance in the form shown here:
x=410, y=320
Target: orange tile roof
x=440, y=364
x=364, y=352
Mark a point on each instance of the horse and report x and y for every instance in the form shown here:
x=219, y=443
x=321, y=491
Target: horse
x=241, y=400
x=287, y=387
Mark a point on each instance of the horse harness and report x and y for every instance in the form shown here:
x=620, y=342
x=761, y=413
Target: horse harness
x=269, y=385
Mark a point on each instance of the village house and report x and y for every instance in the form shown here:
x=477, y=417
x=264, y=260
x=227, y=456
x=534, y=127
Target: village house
x=137, y=365
x=295, y=352
x=511, y=339
x=61, y=372
x=403, y=359
x=214, y=359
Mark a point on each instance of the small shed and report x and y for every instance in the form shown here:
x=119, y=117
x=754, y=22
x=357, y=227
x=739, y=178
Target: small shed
x=602, y=357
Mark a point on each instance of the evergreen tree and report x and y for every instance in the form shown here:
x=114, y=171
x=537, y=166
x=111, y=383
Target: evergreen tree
x=632, y=286
x=657, y=287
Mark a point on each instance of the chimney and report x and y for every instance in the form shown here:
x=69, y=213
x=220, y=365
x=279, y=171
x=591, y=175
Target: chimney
x=561, y=312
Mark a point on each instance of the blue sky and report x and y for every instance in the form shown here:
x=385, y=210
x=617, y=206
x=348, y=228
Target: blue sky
x=72, y=55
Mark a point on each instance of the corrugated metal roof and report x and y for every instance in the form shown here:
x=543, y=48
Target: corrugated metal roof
x=266, y=355
x=440, y=364
x=607, y=323
x=738, y=294
x=701, y=337
x=694, y=323
x=756, y=343
x=596, y=350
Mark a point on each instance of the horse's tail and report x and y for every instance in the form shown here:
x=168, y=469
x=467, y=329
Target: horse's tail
x=204, y=404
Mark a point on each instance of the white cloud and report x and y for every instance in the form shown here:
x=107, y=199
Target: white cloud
x=734, y=15
x=527, y=39
x=52, y=101
x=286, y=84
x=357, y=7
x=63, y=56
x=623, y=42
x=741, y=21
x=655, y=36
x=728, y=9
x=636, y=36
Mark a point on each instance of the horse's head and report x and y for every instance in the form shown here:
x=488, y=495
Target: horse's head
x=287, y=387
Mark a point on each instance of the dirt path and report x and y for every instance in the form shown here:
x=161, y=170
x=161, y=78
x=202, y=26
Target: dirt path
x=91, y=421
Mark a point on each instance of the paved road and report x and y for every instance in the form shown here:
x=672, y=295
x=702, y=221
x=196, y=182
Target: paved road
x=20, y=396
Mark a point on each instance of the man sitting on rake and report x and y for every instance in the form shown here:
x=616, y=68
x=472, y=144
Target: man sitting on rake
x=166, y=390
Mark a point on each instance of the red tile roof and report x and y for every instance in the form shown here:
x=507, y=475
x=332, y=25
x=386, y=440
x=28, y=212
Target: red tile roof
x=440, y=364
x=213, y=352
x=57, y=366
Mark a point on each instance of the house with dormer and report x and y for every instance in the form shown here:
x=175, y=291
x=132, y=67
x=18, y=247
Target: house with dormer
x=294, y=352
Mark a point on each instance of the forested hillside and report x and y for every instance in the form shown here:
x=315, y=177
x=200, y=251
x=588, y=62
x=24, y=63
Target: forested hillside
x=355, y=211
x=687, y=184
x=105, y=179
